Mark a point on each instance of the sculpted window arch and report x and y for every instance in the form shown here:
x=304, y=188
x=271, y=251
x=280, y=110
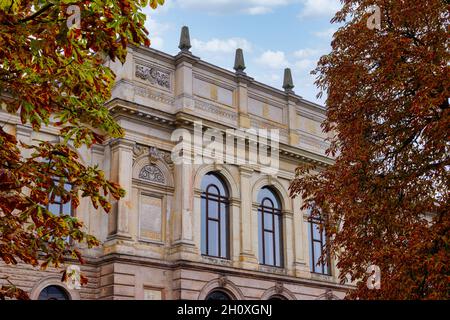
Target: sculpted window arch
x=270, y=242
x=152, y=173
x=214, y=217
x=53, y=293
x=217, y=295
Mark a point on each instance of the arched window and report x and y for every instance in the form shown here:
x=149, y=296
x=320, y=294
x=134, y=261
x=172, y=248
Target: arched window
x=217, y=295
x=270, y=228
x=58, y=207
x=317, y=240
x=215, y=217
x=53, y=293
x=277, y=297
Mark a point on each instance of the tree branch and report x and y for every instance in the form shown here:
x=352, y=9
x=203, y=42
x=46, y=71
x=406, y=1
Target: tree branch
x=37, y=13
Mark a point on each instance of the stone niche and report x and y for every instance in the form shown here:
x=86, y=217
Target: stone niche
x=150, y=217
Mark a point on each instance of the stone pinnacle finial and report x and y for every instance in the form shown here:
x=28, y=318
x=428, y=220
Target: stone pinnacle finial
x=288, y=84
x=185, y=40
x=239, y=64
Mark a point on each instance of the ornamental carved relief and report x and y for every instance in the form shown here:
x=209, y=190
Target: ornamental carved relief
x=153, y=153
x=152, y=173
x=279, y=288
x=223, y=280
x=154, y=76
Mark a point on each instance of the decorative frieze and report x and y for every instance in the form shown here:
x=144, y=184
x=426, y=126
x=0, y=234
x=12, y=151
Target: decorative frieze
x=153, y=75
x=156, y=96
x=210, y=108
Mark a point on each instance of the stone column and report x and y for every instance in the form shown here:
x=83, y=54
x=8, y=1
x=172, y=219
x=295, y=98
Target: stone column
x=123, y=71
x=288, y=237
x=294, y=138
x=291, y=99
x=301, y=241
x=183, y=83
x=183, y=221
x=24, y=133
x=242, y=101
x=121, y=172
x=98, y=220
x=184, y=62
x=248, y=218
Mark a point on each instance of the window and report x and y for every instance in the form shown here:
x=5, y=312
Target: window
x=217, y=295
x=317, y=248
x=57, y=207
x=277, y=297
x=269, y=228
x=53, y=293
x=215, y=217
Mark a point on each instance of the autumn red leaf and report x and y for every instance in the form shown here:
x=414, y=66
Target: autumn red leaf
x=385, y=200
x=53, y=73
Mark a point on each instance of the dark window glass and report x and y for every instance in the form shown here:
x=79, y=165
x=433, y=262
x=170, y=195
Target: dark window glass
x=277, y=297
x=317, y=247
x=270, y=228
x=57, y=207
x=217, y=295
x=215, y=217
x=53, y=293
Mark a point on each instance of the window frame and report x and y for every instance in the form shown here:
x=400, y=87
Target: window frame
x=219, y=199
x=275, y=213
x=324, y=269
x=57, y=180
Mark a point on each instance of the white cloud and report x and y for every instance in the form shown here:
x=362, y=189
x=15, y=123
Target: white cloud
x=273, y=59
x=305, y=64
x=307, y=53
x=307, y=58
x=252, y=7
x=156, y=31
x=221, y=45
x=327, y=34
x=257, y=10
x=319, y=8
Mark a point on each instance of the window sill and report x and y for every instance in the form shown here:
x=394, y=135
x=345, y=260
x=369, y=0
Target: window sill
x=272, y=269
x=150, y=241
x=216, y=260
x=321, y=276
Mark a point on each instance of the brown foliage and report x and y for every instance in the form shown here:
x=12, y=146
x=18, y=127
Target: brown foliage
x=386, y=198
x=53, y=74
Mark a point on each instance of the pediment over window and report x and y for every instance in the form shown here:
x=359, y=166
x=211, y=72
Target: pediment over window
x=152, y=173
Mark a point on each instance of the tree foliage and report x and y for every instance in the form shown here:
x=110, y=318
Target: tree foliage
x=52, y=73
x=385, y=200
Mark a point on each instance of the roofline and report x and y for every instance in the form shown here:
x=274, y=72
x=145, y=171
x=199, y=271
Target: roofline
x=230, y=74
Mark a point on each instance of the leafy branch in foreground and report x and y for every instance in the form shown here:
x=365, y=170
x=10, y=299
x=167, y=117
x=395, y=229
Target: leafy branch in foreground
x=385, y=200
x=54, y=75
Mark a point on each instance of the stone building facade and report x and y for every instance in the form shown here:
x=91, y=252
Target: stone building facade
x=153, y=242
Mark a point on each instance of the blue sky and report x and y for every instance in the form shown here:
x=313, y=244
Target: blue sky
x=274, y=34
